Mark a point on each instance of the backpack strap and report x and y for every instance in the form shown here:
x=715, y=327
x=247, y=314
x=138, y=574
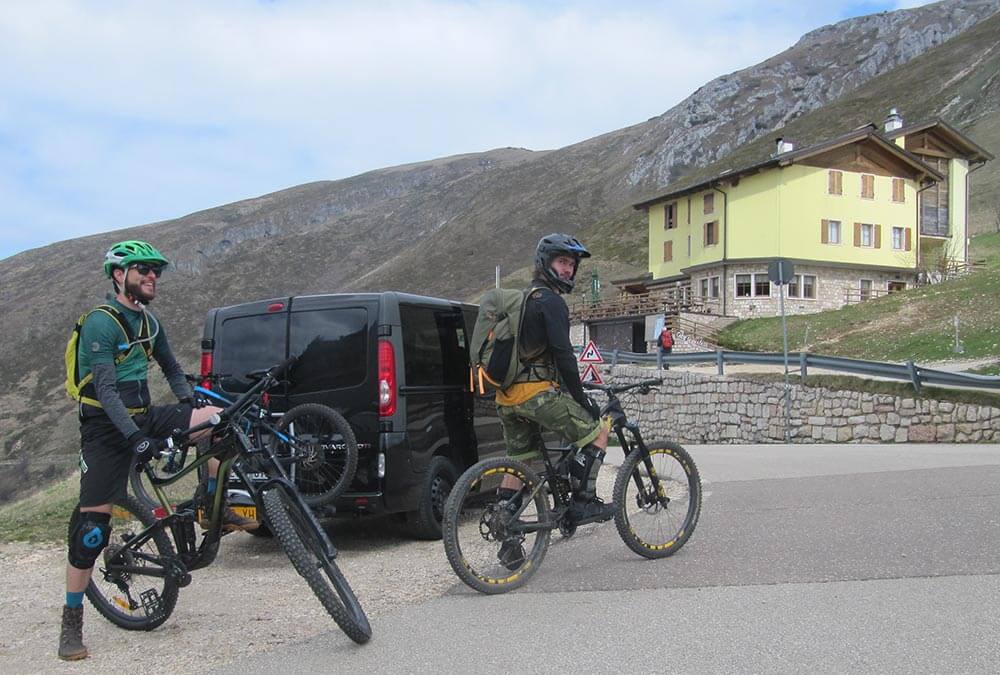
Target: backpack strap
x=123, y=351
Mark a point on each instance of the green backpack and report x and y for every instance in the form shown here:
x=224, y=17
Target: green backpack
x=78, y=388
x=496, y=360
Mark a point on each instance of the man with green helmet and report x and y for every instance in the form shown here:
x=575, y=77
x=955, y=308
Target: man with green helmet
x=116, y=342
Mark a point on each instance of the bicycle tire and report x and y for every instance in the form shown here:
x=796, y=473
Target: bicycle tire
x=647, y=525
x=300, y=543
x=331, y=451
x=128, y=517
x=475, y=534
x=137, y=481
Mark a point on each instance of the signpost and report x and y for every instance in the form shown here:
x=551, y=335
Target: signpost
x=591, y=355
x=782, y=272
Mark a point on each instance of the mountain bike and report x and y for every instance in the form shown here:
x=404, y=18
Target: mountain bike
x=313, y=443
x=149, y=558
x=496, y=545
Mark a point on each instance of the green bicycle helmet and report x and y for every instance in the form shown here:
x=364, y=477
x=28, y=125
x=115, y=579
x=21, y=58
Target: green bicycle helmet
x=124, y=253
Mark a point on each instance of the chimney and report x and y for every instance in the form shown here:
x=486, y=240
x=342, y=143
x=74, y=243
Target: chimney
x=783, y=146
x=893, y=121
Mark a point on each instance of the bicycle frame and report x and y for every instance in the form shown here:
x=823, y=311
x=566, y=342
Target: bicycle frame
x=180, y=524
x=620, y=424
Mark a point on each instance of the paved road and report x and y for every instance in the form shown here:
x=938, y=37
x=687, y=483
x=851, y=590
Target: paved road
x=820, y=558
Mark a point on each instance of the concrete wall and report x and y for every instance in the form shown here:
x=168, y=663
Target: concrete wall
x=694, y=408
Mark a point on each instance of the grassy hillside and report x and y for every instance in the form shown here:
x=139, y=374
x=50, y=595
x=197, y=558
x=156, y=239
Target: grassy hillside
x=917, y=324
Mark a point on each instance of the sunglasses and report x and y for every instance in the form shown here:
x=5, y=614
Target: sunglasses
x=143, y=269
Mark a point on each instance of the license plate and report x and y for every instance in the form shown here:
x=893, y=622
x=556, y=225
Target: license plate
x=245, y=511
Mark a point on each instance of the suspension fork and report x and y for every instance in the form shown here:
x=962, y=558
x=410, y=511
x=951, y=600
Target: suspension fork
x=654, y=479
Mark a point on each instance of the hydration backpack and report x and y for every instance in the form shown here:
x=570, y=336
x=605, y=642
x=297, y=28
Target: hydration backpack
x=496, y=359
x=75, y=385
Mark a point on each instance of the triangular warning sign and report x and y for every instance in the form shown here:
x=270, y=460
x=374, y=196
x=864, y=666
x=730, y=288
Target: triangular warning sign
x=591, y=354
x=590, y=374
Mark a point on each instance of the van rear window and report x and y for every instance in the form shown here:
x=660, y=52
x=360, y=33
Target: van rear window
x=332, y=346
x=434, y=346
x=246, y=344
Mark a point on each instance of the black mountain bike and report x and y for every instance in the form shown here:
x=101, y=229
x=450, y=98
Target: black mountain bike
x=149, y=558
x=496, y=545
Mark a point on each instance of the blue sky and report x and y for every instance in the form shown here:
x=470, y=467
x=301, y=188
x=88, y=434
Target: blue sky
x=119, y=113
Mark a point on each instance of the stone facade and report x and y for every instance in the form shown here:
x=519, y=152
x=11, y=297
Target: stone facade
x=695, y=408
x=833, y=286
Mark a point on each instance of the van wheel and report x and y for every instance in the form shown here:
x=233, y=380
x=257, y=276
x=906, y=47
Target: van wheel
x=425, y=522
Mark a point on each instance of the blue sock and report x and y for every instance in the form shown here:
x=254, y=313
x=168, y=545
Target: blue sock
x=211, y=485
x=74, y=600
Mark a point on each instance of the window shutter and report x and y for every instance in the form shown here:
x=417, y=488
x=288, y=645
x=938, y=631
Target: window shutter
x=857, y=234
x=704, y=238
x=668, y=251
x=878, y=236
x=908, y=244
x=840, y=182
x=830, y=183
x=824, y=231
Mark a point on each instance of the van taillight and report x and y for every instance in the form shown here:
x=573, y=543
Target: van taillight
x=206, y=369
x=386, y=379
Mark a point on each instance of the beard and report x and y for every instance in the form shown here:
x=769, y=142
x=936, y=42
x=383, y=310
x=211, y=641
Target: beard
x=134, y=289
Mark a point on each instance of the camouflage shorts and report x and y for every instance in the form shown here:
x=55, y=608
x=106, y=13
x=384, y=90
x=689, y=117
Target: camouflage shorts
x=524, y=423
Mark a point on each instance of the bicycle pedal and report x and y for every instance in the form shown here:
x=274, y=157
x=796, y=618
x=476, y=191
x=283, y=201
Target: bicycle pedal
x=152, y=605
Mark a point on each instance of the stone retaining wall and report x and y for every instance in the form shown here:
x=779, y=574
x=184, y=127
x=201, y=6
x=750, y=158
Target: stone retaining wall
x=695, y=408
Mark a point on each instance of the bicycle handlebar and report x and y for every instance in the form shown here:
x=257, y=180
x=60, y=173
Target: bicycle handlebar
x=613, y=389
x=274, y=374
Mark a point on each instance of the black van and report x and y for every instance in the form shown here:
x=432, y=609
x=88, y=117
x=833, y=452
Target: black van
x=395, y=365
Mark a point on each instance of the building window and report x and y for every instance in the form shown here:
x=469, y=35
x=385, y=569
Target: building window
x=898, y=190
x=866, y=289
x=898, y=238
x=708, y=206
x=668, y=251
x=704, y=288
x=712, y=233
x=689, y=246
x=715, y=286
x=761, y=285
x=803, y=286
x=744, y=286
x=829, y=232
x=867, y=235
x=867, y=186
x=896, y=286
x=835, y=182
x=752, y=286
x=670, y=216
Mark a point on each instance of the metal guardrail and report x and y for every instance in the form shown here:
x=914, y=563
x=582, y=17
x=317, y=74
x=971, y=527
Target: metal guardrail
x=803, y=361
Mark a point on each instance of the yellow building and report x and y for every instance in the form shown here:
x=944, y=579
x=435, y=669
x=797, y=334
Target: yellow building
x=859, y=215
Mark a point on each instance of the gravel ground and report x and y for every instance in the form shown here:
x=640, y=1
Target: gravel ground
x=250, y=600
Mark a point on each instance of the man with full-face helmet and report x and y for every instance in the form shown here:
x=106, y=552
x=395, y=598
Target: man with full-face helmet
x=548, y=395
x=117, y=421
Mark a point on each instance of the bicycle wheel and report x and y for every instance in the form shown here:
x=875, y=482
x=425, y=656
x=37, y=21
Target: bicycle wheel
x=119, y=589
x=325, y=448
x=481, y=538
x=657, y=526
x=301, y=543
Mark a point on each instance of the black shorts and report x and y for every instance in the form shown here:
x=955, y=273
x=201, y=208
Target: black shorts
x=105, y=455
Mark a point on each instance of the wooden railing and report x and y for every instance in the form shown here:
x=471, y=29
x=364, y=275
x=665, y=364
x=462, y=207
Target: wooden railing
x=675, y=299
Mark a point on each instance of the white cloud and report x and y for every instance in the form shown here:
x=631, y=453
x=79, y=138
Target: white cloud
x=119, y=113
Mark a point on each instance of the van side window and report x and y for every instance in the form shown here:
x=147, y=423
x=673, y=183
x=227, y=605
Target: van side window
x=433, y=345
x=332, y=348
x=252, y=343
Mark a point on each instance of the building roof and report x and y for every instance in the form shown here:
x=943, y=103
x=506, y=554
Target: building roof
x=717, y=173
x=972, y=151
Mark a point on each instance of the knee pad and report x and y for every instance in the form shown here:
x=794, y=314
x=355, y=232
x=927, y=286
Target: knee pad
x=88, y=535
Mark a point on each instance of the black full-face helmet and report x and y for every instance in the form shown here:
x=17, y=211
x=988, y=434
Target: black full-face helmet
x=552, y=246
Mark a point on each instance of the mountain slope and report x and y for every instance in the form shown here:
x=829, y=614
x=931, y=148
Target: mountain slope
x=441, y=226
